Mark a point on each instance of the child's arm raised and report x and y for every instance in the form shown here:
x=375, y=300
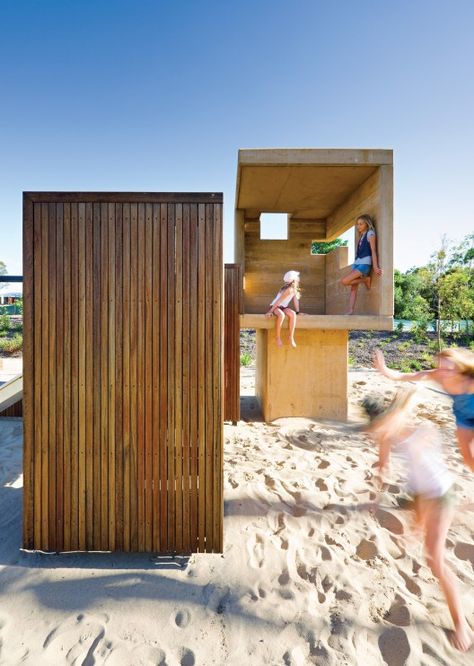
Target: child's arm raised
x=379, y=364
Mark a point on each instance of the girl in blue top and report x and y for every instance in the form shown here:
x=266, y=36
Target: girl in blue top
x=365, y=259
x=455, y=374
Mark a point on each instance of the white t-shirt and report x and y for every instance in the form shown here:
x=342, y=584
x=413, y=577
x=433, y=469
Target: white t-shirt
x=422, y=455
x=285, y=302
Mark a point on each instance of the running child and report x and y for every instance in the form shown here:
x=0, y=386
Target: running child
x=429, y=483
x=455, y=375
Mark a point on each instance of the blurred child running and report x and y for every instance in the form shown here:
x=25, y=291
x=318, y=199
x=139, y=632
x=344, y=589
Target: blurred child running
x=455, y=374
x=430, y=484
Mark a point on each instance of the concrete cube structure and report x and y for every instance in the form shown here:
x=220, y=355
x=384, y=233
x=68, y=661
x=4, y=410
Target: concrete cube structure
x=322, y=191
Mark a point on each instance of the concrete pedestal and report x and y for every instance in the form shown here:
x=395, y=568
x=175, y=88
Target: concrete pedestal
x=309, y=381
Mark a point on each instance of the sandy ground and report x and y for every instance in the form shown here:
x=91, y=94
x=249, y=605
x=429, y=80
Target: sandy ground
x=308, y=576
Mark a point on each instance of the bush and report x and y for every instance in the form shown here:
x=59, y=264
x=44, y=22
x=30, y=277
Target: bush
x=11, y=345
x=4, y=322
x=245, y=359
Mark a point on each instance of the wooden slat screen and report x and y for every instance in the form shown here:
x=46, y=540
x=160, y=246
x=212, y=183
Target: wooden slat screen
x=232, y=309
x=122, y=372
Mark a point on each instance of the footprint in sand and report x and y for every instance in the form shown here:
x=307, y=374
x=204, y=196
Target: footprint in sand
x=233, y=482
x=411, y=586
x=182, y=618
x=388, y=521
x=342, y=595
x=284, y=577
x=465, y=551
x=325, y=554
x=144, y=654
x=75, y=640
x=255, y=551
x=321, y=485
x=398, y=613
x=186, y=657
x=366, y=550
x=394, y=646
x=308, y=576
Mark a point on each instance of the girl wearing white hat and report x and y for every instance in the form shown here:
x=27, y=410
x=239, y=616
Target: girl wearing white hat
x=280, y=306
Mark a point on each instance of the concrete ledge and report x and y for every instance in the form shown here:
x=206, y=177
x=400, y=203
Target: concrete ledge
x=11, y=392
x=328, y=322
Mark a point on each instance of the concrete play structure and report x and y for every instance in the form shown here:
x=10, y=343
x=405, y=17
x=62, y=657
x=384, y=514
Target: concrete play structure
x=322, y=192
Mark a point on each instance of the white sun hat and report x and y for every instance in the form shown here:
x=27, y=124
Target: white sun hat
x=291, y=275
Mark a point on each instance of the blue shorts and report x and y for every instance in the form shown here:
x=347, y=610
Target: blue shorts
x=362, y=268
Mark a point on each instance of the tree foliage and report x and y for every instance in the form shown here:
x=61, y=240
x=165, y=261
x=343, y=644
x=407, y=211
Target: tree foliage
x=443, y=290
x=324, y=248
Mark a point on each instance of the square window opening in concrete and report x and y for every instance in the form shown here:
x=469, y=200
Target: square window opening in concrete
x=274, y=226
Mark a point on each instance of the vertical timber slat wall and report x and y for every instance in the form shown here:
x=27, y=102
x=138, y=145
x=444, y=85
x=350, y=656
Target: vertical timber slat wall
x=232, y=309
x=123, y=329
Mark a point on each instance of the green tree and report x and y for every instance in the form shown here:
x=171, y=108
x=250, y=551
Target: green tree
x=456, y=295
x=410, y=294
x=324, y=248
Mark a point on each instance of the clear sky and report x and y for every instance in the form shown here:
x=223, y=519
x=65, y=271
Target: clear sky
x=148, y=95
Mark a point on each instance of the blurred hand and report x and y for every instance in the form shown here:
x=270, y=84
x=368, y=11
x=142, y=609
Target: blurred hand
x=379, y=360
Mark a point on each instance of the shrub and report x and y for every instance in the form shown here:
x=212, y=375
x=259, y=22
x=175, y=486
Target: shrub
x=245, y=359
x=4, y=322
x=11, y=345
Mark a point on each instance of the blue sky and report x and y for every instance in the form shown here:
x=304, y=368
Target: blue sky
x=145, y=95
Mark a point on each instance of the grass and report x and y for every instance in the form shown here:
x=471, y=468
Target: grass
x=11, y=345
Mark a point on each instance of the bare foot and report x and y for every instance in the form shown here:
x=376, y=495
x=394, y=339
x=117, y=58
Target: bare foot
x=462, y=637
x=368, y=282
x=349, y=312
x=293, y=343
x=279, y=343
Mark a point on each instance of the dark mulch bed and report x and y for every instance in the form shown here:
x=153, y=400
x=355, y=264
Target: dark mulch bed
x=403, y=351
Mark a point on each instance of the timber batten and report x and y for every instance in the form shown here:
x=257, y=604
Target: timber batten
x=122, y=385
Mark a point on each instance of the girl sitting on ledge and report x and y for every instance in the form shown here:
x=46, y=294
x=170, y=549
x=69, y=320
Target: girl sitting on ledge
x=279, y=307
x=365, y=260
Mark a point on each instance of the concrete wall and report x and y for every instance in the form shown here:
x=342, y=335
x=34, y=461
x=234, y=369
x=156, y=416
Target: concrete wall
x=266, y=261
x=375, y=198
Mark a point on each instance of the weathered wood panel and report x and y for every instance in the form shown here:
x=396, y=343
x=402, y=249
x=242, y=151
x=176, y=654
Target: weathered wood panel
x=232, y=310
x=123, y=382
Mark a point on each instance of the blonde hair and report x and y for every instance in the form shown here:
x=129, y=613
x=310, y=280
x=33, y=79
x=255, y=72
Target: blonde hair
x=296, y=287
x=369, y=221
x=463, y=359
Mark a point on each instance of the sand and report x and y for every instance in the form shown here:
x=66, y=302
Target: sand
x=308, y=575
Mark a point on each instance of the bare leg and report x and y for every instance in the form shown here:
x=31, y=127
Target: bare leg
x=280, y=315
x=352, y=280
x=352, y=299
x=292, y=325
x=466, y=445
x=437, y=519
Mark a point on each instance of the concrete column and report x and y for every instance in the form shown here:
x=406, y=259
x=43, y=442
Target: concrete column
x=309, y=381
